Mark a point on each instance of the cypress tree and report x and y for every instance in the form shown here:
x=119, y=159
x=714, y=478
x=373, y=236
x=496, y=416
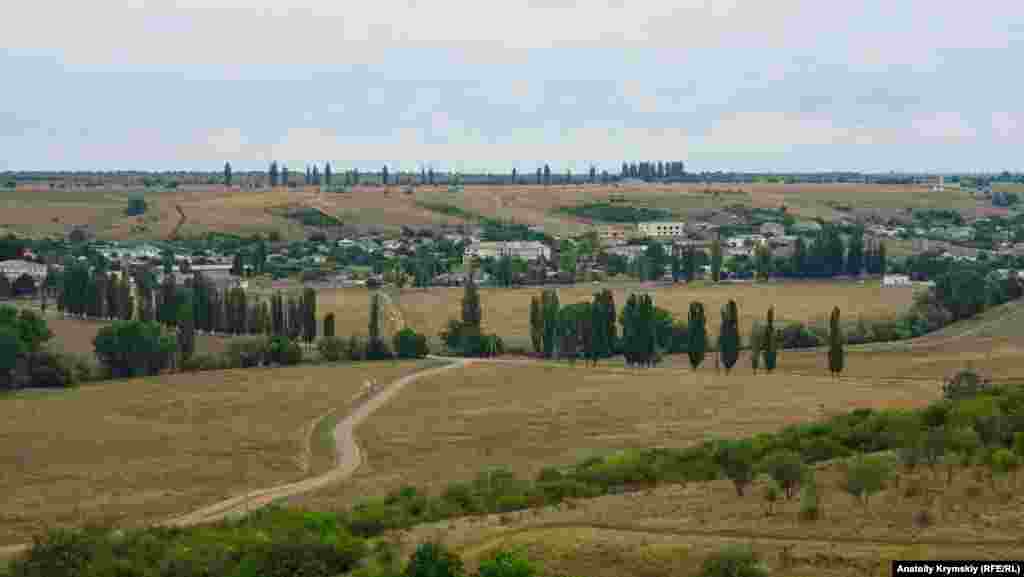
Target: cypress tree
x=471, y=315
x=647, y=343
x=329, y=325
x=835, y=344
x=186, y=330
x=630, y=338
x=327, y=174
x=549, y=310
x=374, y=346
x=697, y=335
x=295, y=320
x=309, y=314
x=716, y=259
x=237, y=267
x=602, y=325
x=855, y=253
x=277, y=315
x=536, y=325
x=799, y=257
x=756, y=334
x=227, y=174
x=770, y=341
x=729, y=336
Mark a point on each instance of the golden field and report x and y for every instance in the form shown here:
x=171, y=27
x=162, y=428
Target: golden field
x=506, y=311
x=140, y=450
x=531, y=414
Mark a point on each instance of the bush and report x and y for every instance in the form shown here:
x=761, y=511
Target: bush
x=331, y=349
x=356, y=350
x=410, y=345
x=506, y=564
x=867, y=475
x=434, y=560
x=246, y=352
x=733, y=561
x=49, y=369
x=198, y=363
x=135, y=348
x=785, y=468
x=284, y=351
x=797, y=336
x=809, y=507
x=966, y=384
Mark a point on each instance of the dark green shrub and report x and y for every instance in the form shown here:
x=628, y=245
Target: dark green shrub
x=785, y=468
x=410, y=345
x=356, y=349
x=284, y=351
x=434, y=560
x=733, y=561
x=506, y=564
x=49, y=369
x=198, y=363
x=797, y=336
x=331, y=349
x=966, y=384
x=246, y=352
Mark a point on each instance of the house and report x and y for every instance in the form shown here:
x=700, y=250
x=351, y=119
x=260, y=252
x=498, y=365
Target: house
x=772, y=229
x=629, y=251
x=662, y=229
x=895, y=280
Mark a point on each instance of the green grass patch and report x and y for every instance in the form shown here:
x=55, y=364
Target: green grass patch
x=312, y=217
x=615, y=213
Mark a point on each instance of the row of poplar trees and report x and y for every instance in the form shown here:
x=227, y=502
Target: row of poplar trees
x=588, y=329
x=196, y=305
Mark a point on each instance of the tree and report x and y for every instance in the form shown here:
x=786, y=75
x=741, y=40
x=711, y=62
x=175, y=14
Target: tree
x=716, y=259
x=309, y=315
x=506, y=564
x=763, y=260
x=273, y=174
x=549, y=312
x=237, y=266
x=786, y=468
x=736, y=459
x=227, y=174
x=835, y=344
x=536, y=325
x=691, y=263
x=697, y=336
x=471, y=315
x=328, y=174
x=756, y=344
x=284, y=175
x=603, y=324
x=134, y=348
x=855, y=253
x=434, y=560
x=547, y=175
x=866, y=475
x=408, y=344
x=729, y=336
x=375, y=345
x=329, y=325
x=770, y=341
x=186, y=331
x=733, y=561
x=799, y=257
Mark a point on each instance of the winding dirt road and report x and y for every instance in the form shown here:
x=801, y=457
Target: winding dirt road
x=348, y=459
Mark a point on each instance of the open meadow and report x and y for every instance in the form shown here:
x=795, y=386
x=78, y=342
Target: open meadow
x=506, y=311
x=140, y=450
x=527, y=415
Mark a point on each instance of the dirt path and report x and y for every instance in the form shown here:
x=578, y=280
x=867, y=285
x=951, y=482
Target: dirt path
x=349, y=458
x=476, y=548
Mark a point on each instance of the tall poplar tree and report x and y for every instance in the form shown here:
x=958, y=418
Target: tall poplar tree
x=836, y=354
x=697, y=335
x=770, y=342
x=716, y=259
x=729, y=336
x=536, y=325
x=549, y=309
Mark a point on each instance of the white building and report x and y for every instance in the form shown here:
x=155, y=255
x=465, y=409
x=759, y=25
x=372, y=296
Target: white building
x=12, y=269
x=662, y=229
x=529, y=250
x=895, y=280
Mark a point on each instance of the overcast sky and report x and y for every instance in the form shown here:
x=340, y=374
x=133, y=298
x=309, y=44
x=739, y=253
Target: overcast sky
x=786, y=85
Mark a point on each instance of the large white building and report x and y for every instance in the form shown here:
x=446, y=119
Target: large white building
x=12, y=269
x=662, y=229
x=528, y=250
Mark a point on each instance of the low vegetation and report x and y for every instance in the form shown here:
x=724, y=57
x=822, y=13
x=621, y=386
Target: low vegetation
x=616, y=213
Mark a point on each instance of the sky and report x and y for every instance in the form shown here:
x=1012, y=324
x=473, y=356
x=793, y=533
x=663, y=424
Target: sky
x=479, y=85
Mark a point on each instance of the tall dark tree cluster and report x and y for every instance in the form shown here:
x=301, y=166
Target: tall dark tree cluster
x=828, y=255
x=586, y=329
x=639, y=341
x=650, y=170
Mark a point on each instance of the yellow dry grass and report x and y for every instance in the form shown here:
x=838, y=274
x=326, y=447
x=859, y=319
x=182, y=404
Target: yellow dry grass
x=671, y=529
x=528, y=415
x=75, y=336
x=506, y=311
x=136, y=451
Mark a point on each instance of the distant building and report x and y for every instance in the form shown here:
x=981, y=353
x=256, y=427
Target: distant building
x=527, y=250
x=662, y=229
x=895, y=280
x=13, y=269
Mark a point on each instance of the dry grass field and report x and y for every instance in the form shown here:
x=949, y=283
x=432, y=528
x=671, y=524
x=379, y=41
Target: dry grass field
x=506, y=311
x=211, y=208
x=528, y=415
x=669, y=530
x=76, y=335
x=136, y=451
